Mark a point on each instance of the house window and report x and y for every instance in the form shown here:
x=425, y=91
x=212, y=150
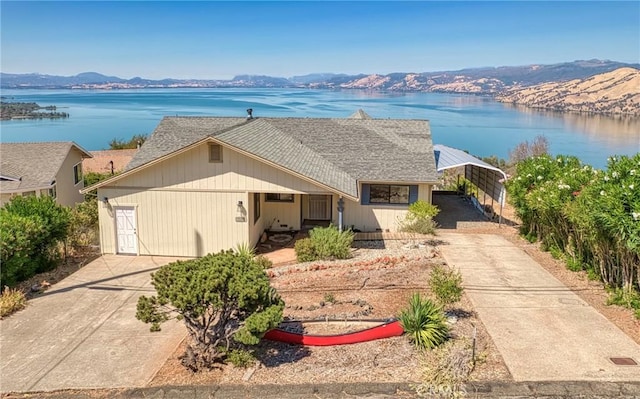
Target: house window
x=392, y=194
x=389, y=194
x=77, y=173
x=256, y=207
x=273, y=197
x=215, y=153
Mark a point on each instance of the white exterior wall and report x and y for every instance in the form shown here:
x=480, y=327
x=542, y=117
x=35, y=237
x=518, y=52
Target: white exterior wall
x=374, y=217
x=176, y=223
x=68, y=193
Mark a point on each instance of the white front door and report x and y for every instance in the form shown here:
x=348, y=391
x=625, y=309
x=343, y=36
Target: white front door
x=126, y=230
x=319, y=207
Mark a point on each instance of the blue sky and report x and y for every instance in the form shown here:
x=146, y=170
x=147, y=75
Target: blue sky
x=217, y=40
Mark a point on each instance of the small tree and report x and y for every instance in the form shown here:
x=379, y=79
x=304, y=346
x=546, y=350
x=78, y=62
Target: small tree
x=224, y=299
x=134, y=142
x=524, y=150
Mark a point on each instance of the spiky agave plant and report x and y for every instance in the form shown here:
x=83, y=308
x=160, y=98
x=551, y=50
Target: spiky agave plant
x=424, y=322
x=245, y=250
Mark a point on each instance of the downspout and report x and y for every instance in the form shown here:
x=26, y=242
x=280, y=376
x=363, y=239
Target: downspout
x=340, y=211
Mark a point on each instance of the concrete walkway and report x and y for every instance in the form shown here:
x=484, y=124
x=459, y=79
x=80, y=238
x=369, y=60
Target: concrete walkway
x=82, y=332
x=544, y=331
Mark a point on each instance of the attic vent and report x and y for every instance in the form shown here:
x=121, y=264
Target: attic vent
x=215, y=153
x=250, y=113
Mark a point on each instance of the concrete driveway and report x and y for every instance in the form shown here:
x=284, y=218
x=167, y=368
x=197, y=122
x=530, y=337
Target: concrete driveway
x=82, y=332
x=543, y=330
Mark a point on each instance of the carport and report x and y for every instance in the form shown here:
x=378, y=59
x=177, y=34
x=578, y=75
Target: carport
x=487, y=178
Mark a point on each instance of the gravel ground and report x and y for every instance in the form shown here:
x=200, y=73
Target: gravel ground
x=375, y=284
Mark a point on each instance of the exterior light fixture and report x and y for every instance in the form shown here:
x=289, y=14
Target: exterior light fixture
x=240, y=212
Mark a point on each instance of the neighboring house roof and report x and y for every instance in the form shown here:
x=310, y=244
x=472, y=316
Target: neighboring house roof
x=360, y=114
x=32, y=166
x=101, y=161
x=336, y=153
x=447, y=158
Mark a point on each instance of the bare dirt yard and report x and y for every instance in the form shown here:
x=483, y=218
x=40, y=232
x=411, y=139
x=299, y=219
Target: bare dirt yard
x=375, y=284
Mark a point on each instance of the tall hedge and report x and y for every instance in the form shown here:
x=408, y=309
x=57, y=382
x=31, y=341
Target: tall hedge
x=30, y=229
x=589, y=217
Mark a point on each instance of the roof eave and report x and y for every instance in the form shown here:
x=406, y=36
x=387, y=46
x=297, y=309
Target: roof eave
x=217, y=141
x=284, y=169
x=143, y=166
x=27, y=189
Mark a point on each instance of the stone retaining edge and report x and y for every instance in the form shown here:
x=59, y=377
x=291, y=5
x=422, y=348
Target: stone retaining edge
x=501, y=390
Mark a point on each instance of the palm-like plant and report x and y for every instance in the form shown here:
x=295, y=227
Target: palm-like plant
x=424, y=322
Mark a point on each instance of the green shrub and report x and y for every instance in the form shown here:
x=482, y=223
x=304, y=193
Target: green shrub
x=83, y=224
x=324, y=243
x=329, y=297
x=224, y=299
x=446, y=284
x=423, y=209
x=573, y=264
x=424, y=322
x=11, y=301
x=305, y=252
x=18, y=235
x=330, y=243
x=263, y=261
x=628, y=299
x=31, y=229
x=241, y=358
x=419, y=218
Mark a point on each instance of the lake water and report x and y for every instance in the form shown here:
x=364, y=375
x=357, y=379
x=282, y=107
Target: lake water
x=476, y=124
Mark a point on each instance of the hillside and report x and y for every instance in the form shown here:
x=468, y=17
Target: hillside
x=486, y=80
x=616, y=92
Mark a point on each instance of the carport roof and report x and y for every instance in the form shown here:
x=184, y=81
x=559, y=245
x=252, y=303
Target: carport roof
x=447, y=158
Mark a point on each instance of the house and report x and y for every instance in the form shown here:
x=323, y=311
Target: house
x=203, y=184
x=108, y=161
x=53, y=169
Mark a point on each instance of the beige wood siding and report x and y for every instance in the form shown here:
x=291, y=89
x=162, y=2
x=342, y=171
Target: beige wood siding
x=374, y=217
x=255, y=229
x=425, y=192
x=192, y=170
x=68, y=193
x=282, y=213
x=176, y=223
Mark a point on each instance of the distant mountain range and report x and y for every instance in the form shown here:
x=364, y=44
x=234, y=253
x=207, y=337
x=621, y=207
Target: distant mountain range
x=488, y=81
x=599, y=86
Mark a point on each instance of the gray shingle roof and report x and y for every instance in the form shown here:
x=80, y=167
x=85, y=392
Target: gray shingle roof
x=335, y=152
x=35, y=165
x=360, y=114
x=175, y=133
